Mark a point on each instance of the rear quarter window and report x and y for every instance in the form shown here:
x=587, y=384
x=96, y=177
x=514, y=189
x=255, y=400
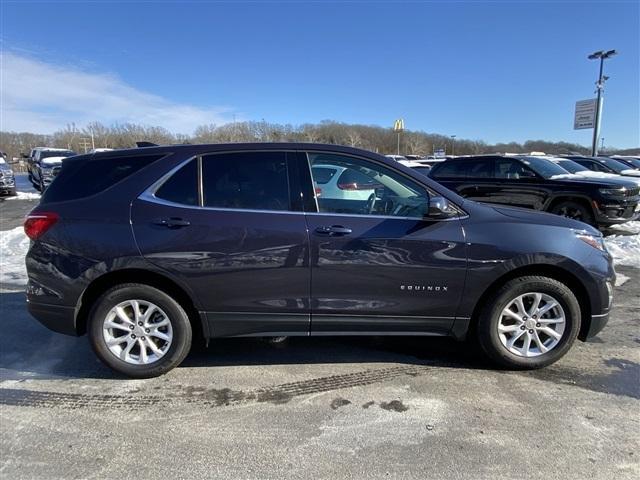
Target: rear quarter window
x=86, y=176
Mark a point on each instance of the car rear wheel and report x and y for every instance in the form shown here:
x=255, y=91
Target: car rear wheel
x=139, y=330
x=574, y=210
x=530, y=322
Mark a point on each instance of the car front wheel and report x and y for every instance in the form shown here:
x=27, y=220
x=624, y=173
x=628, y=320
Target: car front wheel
x=530, y=322
x=139, y=330
x=575, y=211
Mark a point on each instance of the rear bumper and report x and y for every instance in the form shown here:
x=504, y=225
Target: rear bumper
x=55, y=317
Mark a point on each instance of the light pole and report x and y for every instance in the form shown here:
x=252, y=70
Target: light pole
x=602, y=55
x=453, y=145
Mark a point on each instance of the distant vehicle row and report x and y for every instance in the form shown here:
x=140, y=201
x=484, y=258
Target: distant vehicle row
x=7, y=180
x=559, y=185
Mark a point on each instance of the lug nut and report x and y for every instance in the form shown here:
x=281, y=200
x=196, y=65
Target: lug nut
x=133, y=335
x=524, y=318
x=130, y=327
x=140, y=324
x=142, y=338
x=522, y=327
x=534, y=317
x=538, y=325
x=530, y=331
x=147, y=330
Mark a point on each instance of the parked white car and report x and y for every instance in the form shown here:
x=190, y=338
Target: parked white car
x=341, y=183
x=417, y=166
x=397, y=158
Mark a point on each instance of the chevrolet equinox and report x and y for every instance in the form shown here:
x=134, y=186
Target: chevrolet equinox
x=149, y=248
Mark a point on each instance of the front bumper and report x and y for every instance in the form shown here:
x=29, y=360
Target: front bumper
x=611, y=213
x=596, y=325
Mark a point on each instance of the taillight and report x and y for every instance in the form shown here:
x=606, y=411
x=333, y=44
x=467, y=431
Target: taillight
x=355, y=186
x=36, y=224
x=318, y=191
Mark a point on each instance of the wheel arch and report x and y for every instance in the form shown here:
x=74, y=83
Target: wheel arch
x=557, y=273
x=584, y=201
x=153, y=279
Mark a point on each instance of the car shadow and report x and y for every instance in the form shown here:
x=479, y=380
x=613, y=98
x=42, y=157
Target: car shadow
x=30, y=351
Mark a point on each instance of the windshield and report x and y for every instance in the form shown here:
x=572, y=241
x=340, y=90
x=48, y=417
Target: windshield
x=633, y=161
x=614, y=165
x=543, y=167
x=57, y=153
x=571, y=166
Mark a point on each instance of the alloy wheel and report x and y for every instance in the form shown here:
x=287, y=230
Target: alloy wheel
x=137, y=332
x=531, y=324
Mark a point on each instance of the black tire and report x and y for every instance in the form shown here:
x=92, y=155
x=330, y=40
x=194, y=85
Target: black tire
x=574, y=210
x=491, y=312
x=181, y=329
x=13, y=192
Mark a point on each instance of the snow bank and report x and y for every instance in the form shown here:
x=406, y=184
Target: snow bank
x=25, y=196
x=625, y=249
x=13, y=248
x=630, y=227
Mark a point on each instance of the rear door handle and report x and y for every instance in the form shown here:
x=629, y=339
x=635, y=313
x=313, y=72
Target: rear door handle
x=172, y=222
x=334, y=231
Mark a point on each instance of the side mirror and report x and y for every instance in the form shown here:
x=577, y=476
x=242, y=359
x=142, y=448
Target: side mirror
x=440, y=207
x=24, y=155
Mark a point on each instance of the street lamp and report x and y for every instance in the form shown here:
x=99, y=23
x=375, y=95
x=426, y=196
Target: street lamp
x=453, y=145
x=602, y=55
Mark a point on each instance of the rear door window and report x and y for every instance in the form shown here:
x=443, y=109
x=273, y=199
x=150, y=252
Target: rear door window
x=246, y=180
x=450, y=170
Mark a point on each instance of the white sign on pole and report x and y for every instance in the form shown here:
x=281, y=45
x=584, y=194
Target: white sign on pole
x=585, y=116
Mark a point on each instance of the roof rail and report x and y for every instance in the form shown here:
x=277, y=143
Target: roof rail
x=146, y=144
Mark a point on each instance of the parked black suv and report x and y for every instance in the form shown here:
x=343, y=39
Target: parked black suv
x=143, y=249
x=537, y=183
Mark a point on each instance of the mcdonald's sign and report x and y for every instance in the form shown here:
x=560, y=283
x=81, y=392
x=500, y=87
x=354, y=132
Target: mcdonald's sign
x=398, y=125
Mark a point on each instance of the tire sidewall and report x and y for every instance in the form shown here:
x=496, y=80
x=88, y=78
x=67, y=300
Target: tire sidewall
x=488, y=326
x=586, y=213
x=181, y=329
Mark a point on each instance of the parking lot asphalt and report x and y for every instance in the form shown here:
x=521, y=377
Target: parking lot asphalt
x=318, y=407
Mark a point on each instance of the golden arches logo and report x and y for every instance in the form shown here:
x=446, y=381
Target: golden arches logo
x=398, y=125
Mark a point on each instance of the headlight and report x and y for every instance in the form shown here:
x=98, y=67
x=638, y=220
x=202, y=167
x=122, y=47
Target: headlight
x=46, y=171
x=595, y=241
x=612, y=192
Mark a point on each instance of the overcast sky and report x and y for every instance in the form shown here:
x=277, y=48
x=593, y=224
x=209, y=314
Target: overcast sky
x=497, y=71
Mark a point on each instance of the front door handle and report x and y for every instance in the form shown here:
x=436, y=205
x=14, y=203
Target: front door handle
x=334, y=231
x=172, y=222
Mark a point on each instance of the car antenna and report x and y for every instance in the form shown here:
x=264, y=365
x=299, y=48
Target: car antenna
x=146, y=144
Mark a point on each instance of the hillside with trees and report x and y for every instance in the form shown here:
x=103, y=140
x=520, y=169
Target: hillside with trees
x=369, y=137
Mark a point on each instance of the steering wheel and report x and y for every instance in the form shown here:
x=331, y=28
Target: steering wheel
x=370, y=204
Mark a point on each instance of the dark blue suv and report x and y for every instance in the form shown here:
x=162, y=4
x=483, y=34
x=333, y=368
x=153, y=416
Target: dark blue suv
x=148, y=249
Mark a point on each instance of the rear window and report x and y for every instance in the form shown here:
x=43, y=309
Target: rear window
x=322, y=175
x=355, y=178
x=83, y=177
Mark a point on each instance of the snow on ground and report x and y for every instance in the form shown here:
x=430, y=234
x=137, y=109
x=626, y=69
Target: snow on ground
x=25, y=190
x=628, y=227
x=625, y=249
x=621, y=279
x=13, y=248
x=25, y=196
